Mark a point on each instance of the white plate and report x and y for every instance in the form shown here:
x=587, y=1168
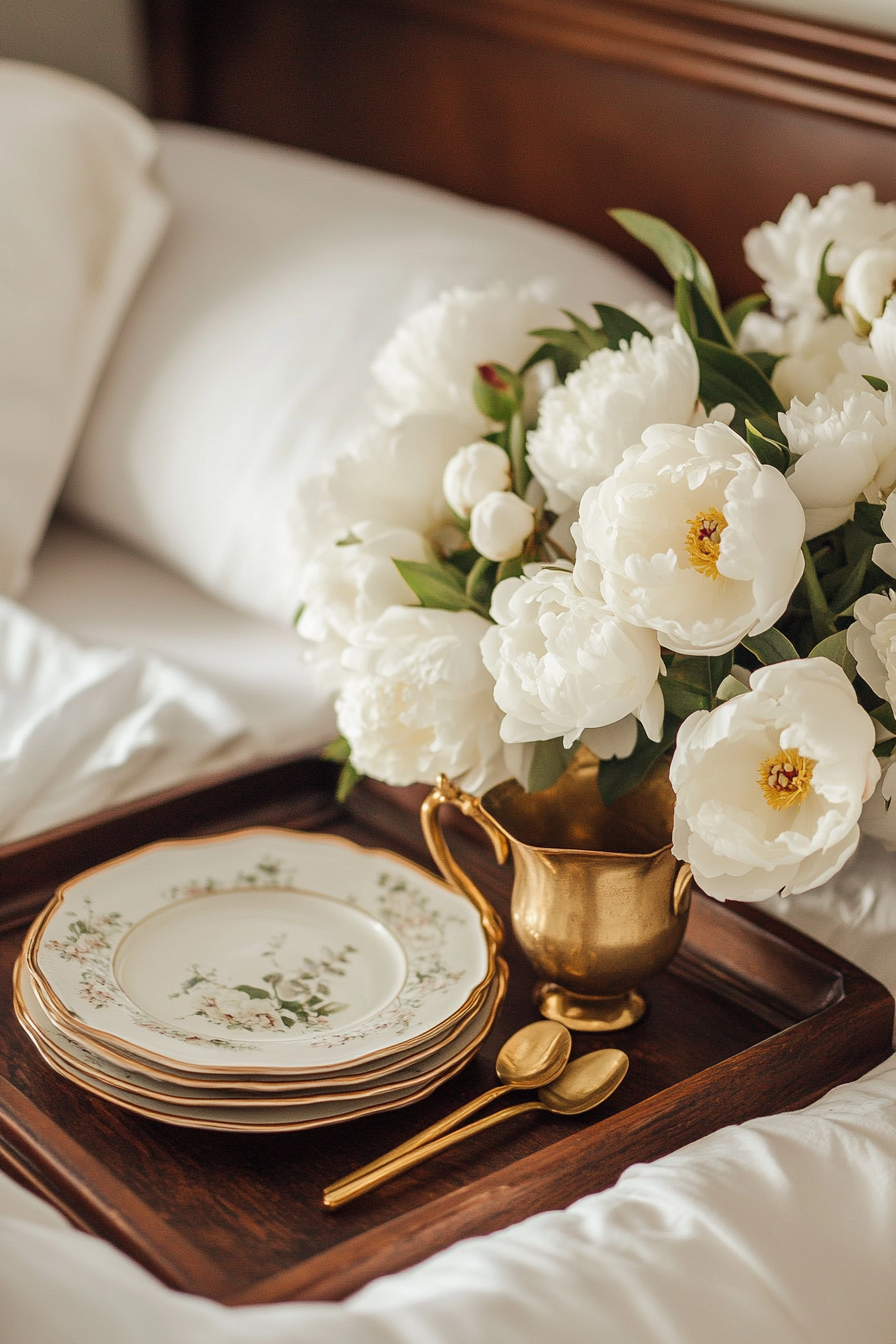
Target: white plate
x=400, y=1066
x=263, y=952
x=309, y=1115
x=139, y=1085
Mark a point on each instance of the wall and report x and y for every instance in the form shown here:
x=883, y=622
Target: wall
x=99, y=40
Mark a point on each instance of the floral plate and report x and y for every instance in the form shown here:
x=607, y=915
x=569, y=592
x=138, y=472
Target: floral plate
x=55, y=1046
x=402, y=1066
x=263, y=952
x=260, y=1119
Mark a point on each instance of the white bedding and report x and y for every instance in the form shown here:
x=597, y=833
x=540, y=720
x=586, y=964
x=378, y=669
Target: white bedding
x=103, y=593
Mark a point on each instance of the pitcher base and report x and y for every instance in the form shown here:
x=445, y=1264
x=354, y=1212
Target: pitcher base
x=581, y=1012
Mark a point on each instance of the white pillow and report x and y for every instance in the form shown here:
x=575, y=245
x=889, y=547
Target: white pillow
x=79, y=219
x=244, y=365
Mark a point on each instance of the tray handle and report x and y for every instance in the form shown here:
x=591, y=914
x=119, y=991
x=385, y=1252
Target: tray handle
x=446, y=792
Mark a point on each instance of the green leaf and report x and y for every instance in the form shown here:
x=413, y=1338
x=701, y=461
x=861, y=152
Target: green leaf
x=549, y=760
x=770, y=647
x=729, y=688
x=765, y=361
x=616, y=777
x=679, y=257
x=853, y=585
x=834, y=648
x=683, y=698
x=822, y=618
x=726, y=375
x=877, y=383
x=510, y=569
x=885, y=717
x=563, y=361
x=252, y=991
x=684, y=306
x=591, y=337
x=338, y=750
x=828, y=284
x=885, y=748
x=349, y=540
x=771, y=454
x=438, y=586
x=348, y=778
x=300, y=612
x=617, y=325
x=735, y=313
x=868, y=518
x=696, y=316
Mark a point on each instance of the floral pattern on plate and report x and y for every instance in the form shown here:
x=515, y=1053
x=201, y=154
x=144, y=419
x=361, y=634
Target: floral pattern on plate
x=285, y=997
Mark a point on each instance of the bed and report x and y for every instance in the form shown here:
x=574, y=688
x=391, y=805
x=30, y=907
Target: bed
x=709, y=114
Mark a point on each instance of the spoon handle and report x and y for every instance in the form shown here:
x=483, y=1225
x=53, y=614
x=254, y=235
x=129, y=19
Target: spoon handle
x=353, y=1186
x=426, y=1135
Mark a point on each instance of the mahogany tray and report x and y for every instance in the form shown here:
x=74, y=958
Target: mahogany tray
x=751, y=1018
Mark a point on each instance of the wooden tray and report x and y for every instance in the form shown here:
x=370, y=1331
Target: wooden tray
x=750, y=1018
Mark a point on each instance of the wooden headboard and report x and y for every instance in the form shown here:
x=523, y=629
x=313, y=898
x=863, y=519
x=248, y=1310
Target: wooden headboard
x=709, y=114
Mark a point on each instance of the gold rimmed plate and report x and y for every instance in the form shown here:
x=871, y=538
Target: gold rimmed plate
x=264, y=952
x=403, y=1066
x=133, y=1081
x=308, y=1115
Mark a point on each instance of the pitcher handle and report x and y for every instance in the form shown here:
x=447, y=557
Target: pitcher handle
x=681, y=889
x=446, y=792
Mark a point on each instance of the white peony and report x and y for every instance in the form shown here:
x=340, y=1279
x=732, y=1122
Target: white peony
x=564, y=663
x=879, y=813
x=769, y=786
x=501, y=524
x=418, y=701
x=787, y=255
x=871, y=640
x=696, y=539
x=586, y=424
x=388, y=476
x=473, y=473
x=353, y=584
x=810, y=348
x=427, y=367
x=867, y=286
x=884, y=553
x=845, y=441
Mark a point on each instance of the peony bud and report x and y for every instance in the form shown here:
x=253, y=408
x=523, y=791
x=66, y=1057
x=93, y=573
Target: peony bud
x=473, y=473
x=868, y=283
x=500, y=525
x=497, y=391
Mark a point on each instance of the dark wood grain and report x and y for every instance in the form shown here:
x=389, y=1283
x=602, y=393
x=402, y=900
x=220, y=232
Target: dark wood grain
x=238, y=1217
x=709, y=114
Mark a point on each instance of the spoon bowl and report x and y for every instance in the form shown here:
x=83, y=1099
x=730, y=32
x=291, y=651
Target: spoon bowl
x=534, y=1055
x=585, y=1082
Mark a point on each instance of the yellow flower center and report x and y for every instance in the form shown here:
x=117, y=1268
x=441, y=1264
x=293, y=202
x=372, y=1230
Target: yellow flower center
x=703, y=541
x=785, y=778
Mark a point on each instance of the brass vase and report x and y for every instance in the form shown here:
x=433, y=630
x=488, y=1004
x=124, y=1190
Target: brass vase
x=599, y=903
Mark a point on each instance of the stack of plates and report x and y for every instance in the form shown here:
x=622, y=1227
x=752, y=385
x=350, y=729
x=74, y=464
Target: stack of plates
x=263, y=980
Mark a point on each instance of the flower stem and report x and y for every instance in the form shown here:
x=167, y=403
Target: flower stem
x=516, y=435
x=475, y=576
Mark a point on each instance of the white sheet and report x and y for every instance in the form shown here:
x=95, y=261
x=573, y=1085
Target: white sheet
x=102, y=593
x=781, y=1230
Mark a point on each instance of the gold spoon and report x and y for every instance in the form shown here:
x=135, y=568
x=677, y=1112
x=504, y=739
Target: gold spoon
x=531, y=1057
x=583, y=1084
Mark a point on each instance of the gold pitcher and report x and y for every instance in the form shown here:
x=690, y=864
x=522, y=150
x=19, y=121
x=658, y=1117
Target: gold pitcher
x=599, y=903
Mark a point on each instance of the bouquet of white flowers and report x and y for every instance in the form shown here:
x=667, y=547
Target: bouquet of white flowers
x=662, y=532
